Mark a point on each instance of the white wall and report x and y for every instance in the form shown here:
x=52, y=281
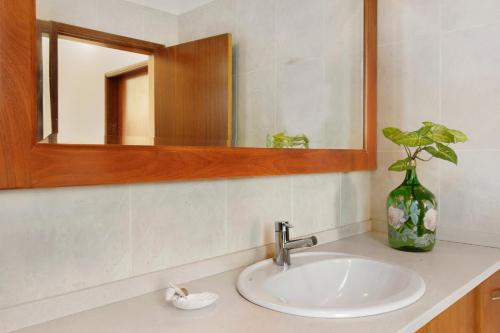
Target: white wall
x=47, y=123
x=440, y=61
x=81, y=69
x=56, y=241
x=298, y=66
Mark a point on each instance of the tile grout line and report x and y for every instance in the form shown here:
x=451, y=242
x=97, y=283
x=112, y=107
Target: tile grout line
x=226, y=215
x=130, y=243
x=291, y=184
x=407, y=40
x=470, y=27
x=275, y=60
x=440, y=100
x=341, y=200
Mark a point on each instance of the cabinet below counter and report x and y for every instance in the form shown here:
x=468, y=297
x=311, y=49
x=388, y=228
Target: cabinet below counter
x=478, y=311
x=452, y=271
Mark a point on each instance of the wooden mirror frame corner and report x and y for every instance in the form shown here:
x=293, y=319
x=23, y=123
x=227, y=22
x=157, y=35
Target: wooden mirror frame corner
x=24, y=163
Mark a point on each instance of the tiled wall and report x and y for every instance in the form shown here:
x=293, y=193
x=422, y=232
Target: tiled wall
x=298, y=66
x=440, y=61
x=56, y=241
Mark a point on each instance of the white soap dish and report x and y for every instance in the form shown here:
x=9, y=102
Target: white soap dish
x=181, y=299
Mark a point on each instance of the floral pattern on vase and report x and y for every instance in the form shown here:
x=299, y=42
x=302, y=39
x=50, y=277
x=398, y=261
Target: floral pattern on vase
x=412, y=216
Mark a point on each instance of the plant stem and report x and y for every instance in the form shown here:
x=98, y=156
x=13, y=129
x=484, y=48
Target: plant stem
x=425, y=160
x=408, y=151
x=417, y=151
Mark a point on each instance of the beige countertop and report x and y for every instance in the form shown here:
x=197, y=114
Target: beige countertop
x=450, y=271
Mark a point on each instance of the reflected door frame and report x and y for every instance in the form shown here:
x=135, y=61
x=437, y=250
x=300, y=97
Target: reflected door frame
x=114, y=101
x=55, y=30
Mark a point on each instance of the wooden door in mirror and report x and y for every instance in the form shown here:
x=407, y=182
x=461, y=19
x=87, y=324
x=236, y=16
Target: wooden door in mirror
x=153, y=95
x=25, y=163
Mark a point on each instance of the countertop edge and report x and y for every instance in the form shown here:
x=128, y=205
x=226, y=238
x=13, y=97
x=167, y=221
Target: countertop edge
x=433, y=312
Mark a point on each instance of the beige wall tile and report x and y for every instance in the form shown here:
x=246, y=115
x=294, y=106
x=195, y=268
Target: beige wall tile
x=177, y=223
x=315, y=203
x=253, y=207
x=344, y=97
x=355, y=197
x=256, y=44
x=408, y=86
x=400, y=20
x=256, y=102
x=77, y=12
x=214, y=18
x=344, y=26
x=60, y=240
x=469, y=191
x=120, y=17
x=191, y=25
x=471, y=77
x=460, y=14
x=160, y=27
x=300, y=29
x=300, y=98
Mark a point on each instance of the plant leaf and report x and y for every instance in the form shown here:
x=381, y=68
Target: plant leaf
x=392, y=134
x=443, y=152
x=401, y=165
x=414, y=139
x=424, y=130
x=438, y=133
x=458, y=135
x=441, y=135
x=428, y=123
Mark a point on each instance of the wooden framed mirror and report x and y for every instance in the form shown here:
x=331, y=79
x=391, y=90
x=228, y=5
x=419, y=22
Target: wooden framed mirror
x=25, y=162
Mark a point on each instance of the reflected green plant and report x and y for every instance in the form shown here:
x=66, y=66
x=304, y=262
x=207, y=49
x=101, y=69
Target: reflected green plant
x=281, y=140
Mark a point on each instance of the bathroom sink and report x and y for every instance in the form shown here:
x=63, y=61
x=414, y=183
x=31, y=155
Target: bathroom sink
x=330, y=285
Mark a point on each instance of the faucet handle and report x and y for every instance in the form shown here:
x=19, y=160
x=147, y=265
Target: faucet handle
x=282, y=226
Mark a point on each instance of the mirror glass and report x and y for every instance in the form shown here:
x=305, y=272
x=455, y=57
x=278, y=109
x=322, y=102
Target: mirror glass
x=87, y=75
x=234, y=73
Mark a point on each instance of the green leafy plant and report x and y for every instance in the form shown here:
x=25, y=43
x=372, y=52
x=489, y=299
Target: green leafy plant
x=433, y=139
x=281, y=140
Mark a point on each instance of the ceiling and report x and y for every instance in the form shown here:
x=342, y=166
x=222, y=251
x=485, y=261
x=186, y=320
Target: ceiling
x=176, y=7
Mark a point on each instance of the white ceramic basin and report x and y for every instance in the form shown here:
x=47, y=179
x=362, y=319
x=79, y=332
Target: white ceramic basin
x=330, y=285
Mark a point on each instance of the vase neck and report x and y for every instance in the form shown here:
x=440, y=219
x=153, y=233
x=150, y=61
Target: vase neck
x=411, y=175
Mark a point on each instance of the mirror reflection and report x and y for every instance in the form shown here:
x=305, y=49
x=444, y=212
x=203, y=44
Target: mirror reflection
x=263, y=73
x=89, y=77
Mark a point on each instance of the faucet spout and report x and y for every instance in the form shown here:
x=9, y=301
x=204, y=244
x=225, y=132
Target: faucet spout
x=302, y=242
x=284, y=244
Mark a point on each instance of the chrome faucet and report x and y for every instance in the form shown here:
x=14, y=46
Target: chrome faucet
x=283, y=243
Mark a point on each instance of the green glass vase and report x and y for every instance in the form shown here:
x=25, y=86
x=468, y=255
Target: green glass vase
x=412, y=215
